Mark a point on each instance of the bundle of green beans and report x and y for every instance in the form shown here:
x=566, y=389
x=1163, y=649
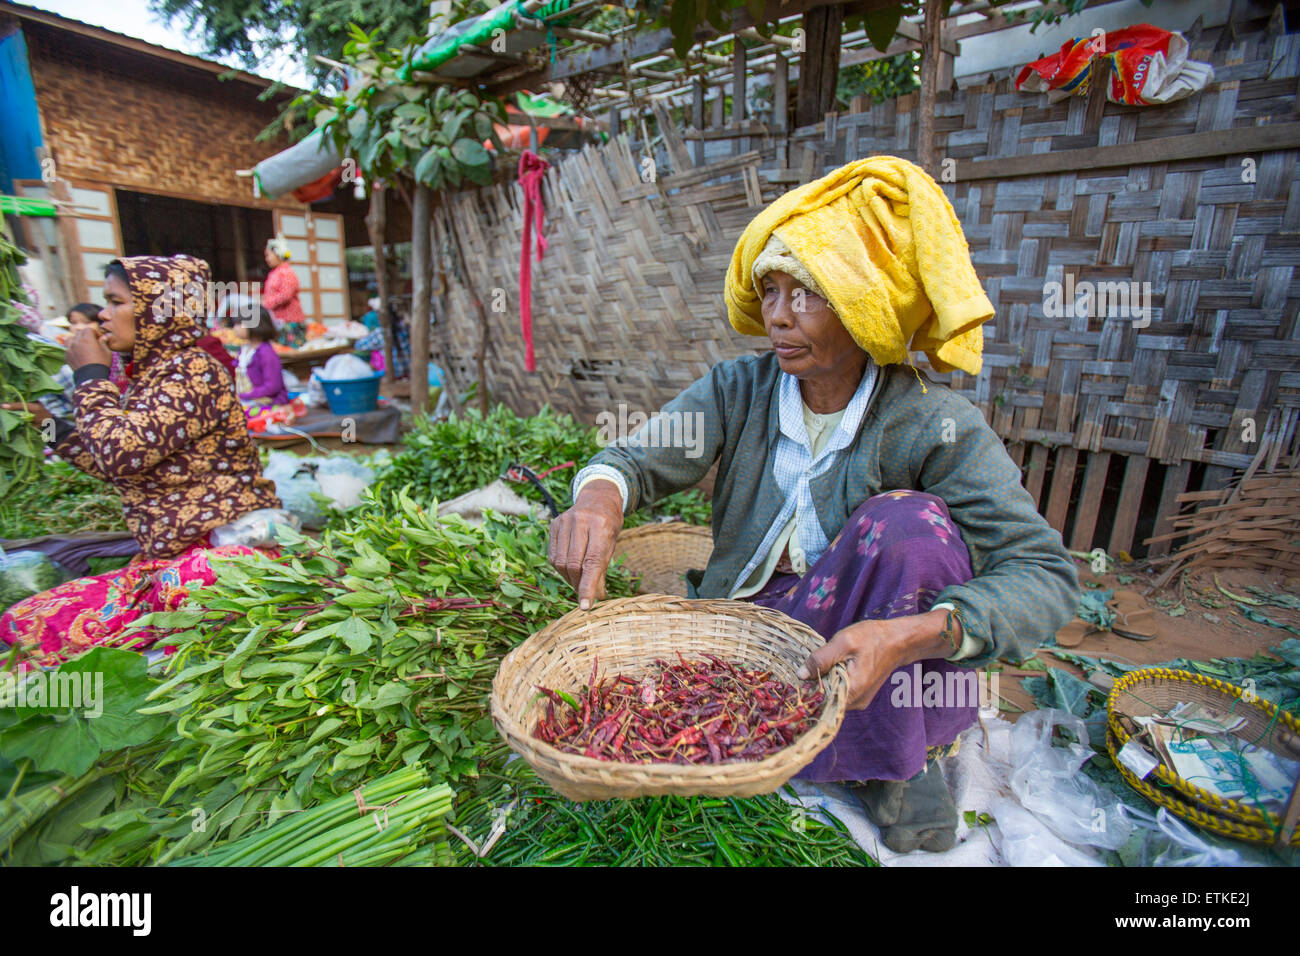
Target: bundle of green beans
x=395, y=815
x=541, y=828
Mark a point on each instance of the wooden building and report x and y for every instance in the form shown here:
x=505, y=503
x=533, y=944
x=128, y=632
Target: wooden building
x=142, y=144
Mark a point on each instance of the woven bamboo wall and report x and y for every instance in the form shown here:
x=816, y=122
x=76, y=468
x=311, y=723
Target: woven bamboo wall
x=1111, y=422
x=131, y=120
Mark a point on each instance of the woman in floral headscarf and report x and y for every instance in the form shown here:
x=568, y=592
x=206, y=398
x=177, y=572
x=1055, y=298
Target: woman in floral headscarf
x=175, y=445
x=280, y=294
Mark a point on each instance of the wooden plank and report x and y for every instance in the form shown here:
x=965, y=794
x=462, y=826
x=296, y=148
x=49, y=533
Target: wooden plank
x=678, y=155
x=739, y=76
x=1164, y=150
x=1058, y=501
x=1036, y=472
x=1130, y=502
x=1085, y=516
x=697, y=116
x=1175, y=482
x=702, y=174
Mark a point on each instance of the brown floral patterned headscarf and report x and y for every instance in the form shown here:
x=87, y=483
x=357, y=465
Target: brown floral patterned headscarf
x=169, y=295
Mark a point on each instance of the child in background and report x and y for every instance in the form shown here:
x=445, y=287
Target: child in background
x=260, y=365
x=81, y=315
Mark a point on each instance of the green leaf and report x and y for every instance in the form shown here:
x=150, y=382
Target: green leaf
x=470, y=152
x=425, y=168
x=881, y=25
x=99, y=693
x=361, y=599
x=356, y=633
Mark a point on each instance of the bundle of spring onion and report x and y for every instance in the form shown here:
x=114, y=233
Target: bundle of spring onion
x=398, y=817
x=513, y=819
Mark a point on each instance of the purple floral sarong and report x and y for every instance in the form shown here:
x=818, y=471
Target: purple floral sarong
x=893, y=556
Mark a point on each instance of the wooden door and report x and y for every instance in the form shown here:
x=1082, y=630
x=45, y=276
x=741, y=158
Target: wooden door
x=96, y=234
x=316, y=255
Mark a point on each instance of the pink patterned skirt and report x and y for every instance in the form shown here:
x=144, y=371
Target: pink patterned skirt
x=58, y=624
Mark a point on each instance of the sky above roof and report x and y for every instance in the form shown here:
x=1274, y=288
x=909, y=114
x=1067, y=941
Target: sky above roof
x=133, y=18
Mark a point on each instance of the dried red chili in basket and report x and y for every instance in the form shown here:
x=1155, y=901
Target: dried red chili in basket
x=701, y=712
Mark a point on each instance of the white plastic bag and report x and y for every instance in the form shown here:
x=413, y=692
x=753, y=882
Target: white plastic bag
x=343, y=480
x=1027, y=841
x=315, y=396
x=255, y=529
x=1050, y=785
x=342, y=368
x=1170, y=842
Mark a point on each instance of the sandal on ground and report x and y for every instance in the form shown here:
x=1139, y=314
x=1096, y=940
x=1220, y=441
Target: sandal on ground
x=1074, y=632
x=1133, y=618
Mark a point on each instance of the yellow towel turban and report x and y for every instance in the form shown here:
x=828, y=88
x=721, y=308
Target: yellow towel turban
x=881, y=238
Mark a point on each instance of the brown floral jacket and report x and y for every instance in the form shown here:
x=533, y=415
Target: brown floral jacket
x=176, y=445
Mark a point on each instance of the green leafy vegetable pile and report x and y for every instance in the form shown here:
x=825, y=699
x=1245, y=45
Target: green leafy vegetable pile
x=26, y=365
x=24, y=573
x=60, y=500
x=297, y=679
x=445, y=459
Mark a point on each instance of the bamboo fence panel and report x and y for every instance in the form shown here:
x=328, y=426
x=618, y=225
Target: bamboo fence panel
x=1197, y=203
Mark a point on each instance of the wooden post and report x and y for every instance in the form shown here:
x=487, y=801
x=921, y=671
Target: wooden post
x=697, y=116
x=930, y=53
x=377, y=227
x=738, y=112
x=421, y=265
x=615, y=123
x=441, y=244
x=781, y=109
x=819, y=67
x=237, y=231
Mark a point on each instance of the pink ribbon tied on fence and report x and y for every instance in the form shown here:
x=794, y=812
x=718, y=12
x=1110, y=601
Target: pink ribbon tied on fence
x=531, y=170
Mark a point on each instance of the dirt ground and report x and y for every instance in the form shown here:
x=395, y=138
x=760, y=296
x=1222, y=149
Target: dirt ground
x=1210, y=625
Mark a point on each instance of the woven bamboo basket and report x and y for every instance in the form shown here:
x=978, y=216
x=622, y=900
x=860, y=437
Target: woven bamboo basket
x=627, y=635
x=1154, y=690
x=660, y=554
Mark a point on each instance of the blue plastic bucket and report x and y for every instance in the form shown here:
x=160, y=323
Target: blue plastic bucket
x=354, y=395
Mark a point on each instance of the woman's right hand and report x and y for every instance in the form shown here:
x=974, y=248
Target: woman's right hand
x=38, y=411
x=582, y=539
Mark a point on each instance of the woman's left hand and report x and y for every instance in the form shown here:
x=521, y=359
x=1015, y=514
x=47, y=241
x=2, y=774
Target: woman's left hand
x=875, y=649
x=88, y=348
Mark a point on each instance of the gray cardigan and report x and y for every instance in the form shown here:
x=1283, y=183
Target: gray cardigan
x=1025, y=586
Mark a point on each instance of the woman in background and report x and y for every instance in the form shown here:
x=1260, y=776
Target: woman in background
x=174, y=444
x=280, y=294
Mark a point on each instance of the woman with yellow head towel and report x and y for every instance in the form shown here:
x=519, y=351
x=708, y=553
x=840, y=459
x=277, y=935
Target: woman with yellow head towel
x=853, y=493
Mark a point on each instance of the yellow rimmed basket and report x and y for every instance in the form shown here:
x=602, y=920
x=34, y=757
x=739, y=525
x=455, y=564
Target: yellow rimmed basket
x=628, y=635
x=661, y=553
x=1154, y=690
